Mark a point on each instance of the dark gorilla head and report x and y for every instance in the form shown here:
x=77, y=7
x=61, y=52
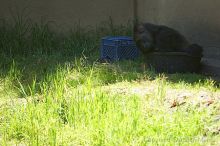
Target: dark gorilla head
x=143, y=38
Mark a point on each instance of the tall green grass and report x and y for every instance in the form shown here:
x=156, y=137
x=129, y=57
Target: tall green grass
x=72, y=109
x=25, y=37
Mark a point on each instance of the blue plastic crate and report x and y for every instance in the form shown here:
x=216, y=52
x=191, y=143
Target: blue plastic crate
x=118, y=48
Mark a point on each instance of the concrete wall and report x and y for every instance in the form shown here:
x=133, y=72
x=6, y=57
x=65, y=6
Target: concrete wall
x=66, y=13
x=198, y=20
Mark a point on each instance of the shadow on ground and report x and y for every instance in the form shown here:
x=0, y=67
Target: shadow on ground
x=37, y=67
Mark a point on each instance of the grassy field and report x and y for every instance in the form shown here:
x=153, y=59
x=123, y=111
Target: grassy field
x=54, y=92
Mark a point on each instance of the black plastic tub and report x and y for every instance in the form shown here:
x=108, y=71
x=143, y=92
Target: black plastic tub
x=173, y=62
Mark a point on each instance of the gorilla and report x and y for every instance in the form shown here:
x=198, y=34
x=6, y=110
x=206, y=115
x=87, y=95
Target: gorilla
x=159, y=38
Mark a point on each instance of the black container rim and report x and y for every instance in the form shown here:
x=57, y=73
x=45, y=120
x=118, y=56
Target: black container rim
x=172, y=54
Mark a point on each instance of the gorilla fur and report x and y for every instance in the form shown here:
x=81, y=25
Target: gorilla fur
x=159, y=38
